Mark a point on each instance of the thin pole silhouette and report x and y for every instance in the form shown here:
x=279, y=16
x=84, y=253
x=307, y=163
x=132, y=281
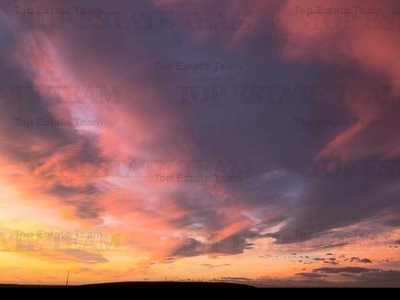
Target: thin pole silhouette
x=66, y=283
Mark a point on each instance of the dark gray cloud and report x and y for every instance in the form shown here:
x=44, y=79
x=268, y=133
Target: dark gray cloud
x=342, y=270
x=191, y=247
x=365, y=278
x=363, y=260
x=331, y=245
x=311, y=275
x=232, y=245
x=88, y=209
x=381, y=278
x=201, y=209
x=330, y=262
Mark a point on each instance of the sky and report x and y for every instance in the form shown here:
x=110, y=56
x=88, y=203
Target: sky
x=251, y=141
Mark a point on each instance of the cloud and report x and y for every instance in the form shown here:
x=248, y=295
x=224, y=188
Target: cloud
x=286, y=194
x=191, y=248
x=215, y=266
x=330, y=245
x=86, y=256
x=66, y=256
x=234, y=244
x=231, y=245
x=330, y=203
x=381, y=278
x=343, y=270
x=311, y=275
x=235, y=278
x=71, y=64
x=357, y=259
x=331, y=261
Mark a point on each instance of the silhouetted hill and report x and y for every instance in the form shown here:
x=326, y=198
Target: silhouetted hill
x=142, y=285
x=169, y=285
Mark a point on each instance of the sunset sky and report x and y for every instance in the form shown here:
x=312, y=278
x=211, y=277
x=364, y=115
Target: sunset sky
x=251, y=141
